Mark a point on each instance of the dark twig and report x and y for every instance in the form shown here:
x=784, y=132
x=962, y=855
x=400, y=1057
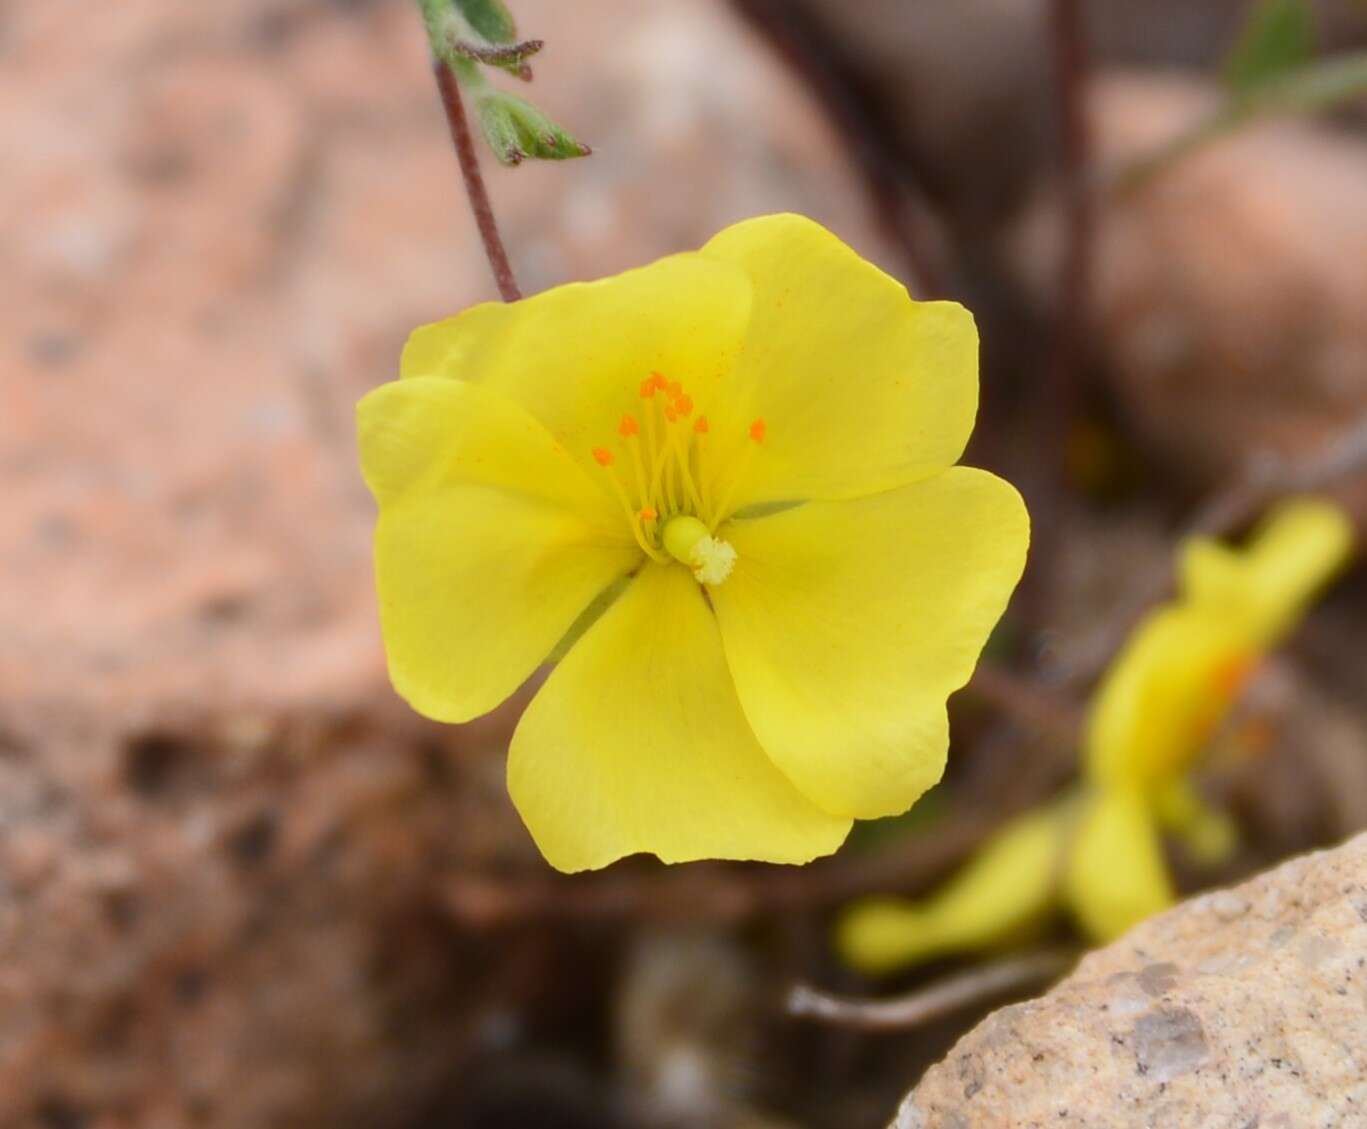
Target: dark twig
x=1025, y=700
x=933, y=1002
x=1071, y=71
x=459, y=124
x=1269, y=476
x=1058, y=411
x=1265, y=478
x=716, y=892
x=901, y=207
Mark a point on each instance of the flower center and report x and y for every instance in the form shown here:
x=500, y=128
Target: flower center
x=671, y=501
x=689, y=543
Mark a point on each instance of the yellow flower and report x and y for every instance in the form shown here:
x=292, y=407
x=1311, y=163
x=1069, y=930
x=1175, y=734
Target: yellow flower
x=1004, y=891
x=1182, y=670
x=723, y=486
x=1094, y=853
x=1097, y=852
x=1114, y=873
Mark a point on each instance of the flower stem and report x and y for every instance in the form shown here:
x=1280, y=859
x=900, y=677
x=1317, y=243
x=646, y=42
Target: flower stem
x=453, y=104
x=1072, y=71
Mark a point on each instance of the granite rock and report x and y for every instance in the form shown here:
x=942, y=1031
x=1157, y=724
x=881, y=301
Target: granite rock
x=1246, y=1007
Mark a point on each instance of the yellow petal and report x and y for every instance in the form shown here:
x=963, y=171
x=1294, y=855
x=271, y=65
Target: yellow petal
x=1116, y=874
x=637, y=743
x=1292, y=554
x=489, y=545
x=426, y=433
x=1004, y=889
x=861, y=388
x=1164, y=696
x=848, y=624
x=575, y=356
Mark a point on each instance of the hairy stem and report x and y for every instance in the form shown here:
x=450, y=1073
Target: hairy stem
x=497, y=254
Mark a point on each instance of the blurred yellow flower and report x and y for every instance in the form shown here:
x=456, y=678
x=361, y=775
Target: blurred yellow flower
x=722, y=486
x=1097, y=852
x=1183, y=668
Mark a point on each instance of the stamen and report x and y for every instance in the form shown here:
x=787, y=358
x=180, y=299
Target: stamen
x=680, y=447
x=668, y=481
x=638, y=468
x=604, y=458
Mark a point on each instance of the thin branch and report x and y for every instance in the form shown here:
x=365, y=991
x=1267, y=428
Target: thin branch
x=942, y=998
x=1269, y=476
x=459, y=124
x=1309, y=89
x=1061, y=388
x=1071, y=72
x=901, y=207
x=1264, y=478
x=1040, y=707
x=717, y=892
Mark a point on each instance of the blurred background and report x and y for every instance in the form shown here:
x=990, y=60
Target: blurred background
x=241, y=885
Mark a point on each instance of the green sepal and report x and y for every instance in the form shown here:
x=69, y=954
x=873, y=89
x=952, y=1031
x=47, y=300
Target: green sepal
x=516, y=130
x=480, y=30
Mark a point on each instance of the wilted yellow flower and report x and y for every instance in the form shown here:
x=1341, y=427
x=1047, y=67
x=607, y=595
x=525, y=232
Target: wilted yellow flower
x=1001, y=894
x=1183, y=668
x=1097, y=852
x=723, y=487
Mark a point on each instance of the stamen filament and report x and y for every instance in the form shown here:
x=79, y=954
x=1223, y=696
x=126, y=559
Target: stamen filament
x=639, y=469
x=681, y=455
x=634, y=516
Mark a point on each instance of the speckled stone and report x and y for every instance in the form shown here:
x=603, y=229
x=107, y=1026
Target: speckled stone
x=1241, y=1008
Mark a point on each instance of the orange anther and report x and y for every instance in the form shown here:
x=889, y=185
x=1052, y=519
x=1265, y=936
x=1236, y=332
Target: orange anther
x=628, y=427
x=648, y=514
x=684, y=406
x=700, y=425
x=671, y=414
x=658, y=381
x=673, y=389
x=647, y=388
x=602, y=456
x=757, y=430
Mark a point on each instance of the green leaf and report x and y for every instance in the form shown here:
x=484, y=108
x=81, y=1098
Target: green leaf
x=490, y=19
x=516, y=130
x=1278, y=37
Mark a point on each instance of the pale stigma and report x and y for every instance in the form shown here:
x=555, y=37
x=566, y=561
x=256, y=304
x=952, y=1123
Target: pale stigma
x=687, y=541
